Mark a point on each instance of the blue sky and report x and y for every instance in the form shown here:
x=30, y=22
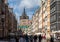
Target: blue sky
x=18, y=6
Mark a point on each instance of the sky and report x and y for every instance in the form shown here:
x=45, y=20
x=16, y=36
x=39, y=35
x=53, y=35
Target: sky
x=30, y=6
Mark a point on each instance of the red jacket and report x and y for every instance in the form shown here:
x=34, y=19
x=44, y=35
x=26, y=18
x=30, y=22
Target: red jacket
x=44, y=37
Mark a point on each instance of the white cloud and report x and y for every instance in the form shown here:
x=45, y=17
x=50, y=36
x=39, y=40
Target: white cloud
x=24, y=3
x=29, y=3
x=17, y=16
x=30, y=16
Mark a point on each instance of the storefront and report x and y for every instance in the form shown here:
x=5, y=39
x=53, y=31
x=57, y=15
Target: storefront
x=56, y=36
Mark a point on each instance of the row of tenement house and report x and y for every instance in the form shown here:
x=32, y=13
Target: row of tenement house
x=41, y=19
x=46, y=19
x=8, y=22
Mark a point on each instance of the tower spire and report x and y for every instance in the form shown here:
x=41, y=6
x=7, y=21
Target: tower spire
x=24, y=15
x=24, y=12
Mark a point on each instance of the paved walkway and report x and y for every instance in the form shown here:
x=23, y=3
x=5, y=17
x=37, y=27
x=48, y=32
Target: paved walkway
x=43, y=40
x=3, y=41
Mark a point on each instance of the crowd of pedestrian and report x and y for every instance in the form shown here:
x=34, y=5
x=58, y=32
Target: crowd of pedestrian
x=31, y=38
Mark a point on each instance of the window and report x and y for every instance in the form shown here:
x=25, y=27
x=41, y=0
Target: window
x=0, y=1
x=46, y=13
x=2, y=19
x=45, y=27
x=53, y=18
x=53, y=27
x=46, y=19
x=3, y=9
x=53, y=9
x=58, y=7
x=51, y=1
x=58, y=15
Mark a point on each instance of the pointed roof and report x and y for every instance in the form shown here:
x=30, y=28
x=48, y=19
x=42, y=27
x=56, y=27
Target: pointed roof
x=24, y=15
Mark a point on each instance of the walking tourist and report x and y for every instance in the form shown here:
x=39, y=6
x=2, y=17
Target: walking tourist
x=43, y=38
x=31, y=38
x=40, y=38
x=26, y=38
x=52, y=39
x=35, y=38
x=21, y=39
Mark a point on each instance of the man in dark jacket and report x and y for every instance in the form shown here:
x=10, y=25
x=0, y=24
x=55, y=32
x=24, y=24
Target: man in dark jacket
x=35, y=38
x=52, y=39
x=26, y=37
x=40, y=38
x=31, y=38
